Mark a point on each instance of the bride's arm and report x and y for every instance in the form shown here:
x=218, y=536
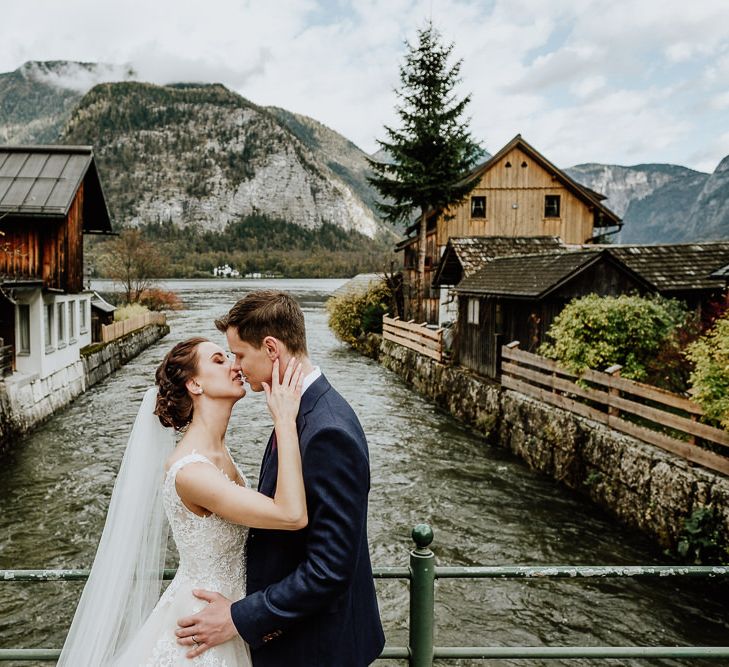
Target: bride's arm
x=202, y=485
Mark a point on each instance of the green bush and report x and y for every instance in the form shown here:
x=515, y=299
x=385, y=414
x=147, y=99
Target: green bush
x=710, y=377
x=597, y=332
x=356, y=314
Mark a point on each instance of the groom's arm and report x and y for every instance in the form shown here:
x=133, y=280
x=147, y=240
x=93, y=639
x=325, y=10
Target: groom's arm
x=336, y=472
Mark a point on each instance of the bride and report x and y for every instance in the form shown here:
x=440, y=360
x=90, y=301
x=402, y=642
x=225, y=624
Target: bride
x=121, y=620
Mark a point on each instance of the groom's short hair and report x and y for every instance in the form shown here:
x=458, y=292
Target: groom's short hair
x=267, y=313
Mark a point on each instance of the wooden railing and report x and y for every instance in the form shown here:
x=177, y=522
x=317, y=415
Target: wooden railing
x=111, y=332
x=663, y=419
x=418, y=337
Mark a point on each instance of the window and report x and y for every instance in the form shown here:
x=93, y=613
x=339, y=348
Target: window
x=551, y=206
x=473, y=311
x=478, y=207
x=48, y=326
x=23, y=329
x=71, y=321
x=83, y=323
x=61, y=325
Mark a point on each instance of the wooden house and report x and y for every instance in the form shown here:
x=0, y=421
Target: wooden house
x=50, y=196
x=519, y=194
x=518, y=297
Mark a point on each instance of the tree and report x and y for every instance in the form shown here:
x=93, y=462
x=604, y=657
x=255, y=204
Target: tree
x=433, y=152
x=134, y=262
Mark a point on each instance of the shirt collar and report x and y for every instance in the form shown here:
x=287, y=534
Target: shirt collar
x=310, y=379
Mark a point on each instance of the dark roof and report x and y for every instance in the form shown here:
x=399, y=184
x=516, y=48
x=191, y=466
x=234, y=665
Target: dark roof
x=535, y=276
x=42, y=181
x=723, y=272
x=677, y=267
x=463, y=256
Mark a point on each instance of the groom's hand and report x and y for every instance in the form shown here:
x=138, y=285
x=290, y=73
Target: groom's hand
x=209, y=627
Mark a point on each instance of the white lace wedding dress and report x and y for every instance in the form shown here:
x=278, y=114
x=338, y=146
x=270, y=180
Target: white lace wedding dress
x=211, y=554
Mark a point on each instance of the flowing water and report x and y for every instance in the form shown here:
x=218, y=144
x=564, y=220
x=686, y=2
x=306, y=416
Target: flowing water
x=486, y=508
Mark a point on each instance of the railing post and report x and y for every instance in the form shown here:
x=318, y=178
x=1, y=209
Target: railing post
x=422, y=597
x=614, y=371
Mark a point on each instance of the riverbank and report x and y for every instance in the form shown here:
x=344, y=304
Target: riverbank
x=28, y=400
x=644, y=487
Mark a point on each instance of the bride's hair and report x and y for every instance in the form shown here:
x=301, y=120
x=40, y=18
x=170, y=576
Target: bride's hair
x=174, y=403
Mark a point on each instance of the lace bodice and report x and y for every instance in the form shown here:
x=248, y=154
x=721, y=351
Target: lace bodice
x=211, y=549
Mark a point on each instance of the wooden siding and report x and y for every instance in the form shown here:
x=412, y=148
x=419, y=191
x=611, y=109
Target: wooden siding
x=47, y=249
x=526, y=187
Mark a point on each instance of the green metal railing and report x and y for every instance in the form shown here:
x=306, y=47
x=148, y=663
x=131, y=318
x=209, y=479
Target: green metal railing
x=422, y=574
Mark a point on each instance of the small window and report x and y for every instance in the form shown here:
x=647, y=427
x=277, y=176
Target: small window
x=23, y=329
x=83, y=323
x=61, y=325
x=551, y=206
x=473, y=311
x=48, y=326
x=72, y=321
x=508, y=165
x=478, y=207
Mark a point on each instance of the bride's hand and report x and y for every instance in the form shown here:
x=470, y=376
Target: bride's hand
x=283, y=397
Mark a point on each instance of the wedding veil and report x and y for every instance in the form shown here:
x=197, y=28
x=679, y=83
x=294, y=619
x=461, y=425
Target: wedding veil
x=126, y=577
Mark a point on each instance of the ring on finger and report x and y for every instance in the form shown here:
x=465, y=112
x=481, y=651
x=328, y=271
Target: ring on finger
x=194, y=641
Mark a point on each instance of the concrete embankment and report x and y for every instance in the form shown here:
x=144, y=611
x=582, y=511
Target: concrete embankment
x=27, y=400
x=642, y=485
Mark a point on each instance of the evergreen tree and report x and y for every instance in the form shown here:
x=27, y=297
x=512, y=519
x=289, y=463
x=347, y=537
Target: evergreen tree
x=433, y=152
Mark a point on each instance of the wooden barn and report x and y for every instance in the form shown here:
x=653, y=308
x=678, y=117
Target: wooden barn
x=50, y=196
x=517, y=298
x=520, y=193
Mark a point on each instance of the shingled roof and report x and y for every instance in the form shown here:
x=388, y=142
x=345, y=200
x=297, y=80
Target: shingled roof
x=677, y=267
x=42, y=182
x=535, y=276
x=463, y=256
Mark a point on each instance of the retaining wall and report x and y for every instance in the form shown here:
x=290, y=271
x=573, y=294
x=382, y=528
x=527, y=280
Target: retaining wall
x=642, y=485
x=27, y=400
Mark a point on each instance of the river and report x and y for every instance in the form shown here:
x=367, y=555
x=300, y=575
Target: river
x=486, y=508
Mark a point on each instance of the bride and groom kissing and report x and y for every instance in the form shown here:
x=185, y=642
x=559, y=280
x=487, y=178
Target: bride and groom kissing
x=278, y=577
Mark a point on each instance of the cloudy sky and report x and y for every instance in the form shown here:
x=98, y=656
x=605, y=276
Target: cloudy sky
x=613, y=81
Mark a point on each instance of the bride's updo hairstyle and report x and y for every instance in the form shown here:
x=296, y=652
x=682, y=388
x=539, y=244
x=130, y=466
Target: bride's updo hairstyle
x=174, y=403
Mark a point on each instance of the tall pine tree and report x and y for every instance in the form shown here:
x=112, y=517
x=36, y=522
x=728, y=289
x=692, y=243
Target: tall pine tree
x=433, y=151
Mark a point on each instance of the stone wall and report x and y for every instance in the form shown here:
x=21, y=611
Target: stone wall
x=640, y=484
x=27, y=400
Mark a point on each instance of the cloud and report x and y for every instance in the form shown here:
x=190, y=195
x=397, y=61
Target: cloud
x=598, y=80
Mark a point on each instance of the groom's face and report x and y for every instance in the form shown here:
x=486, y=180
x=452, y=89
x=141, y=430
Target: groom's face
x=256, y=364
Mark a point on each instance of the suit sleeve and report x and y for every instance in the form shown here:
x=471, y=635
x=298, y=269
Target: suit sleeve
x=336, y=474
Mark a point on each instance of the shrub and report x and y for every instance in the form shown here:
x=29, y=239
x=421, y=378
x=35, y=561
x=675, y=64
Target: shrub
x=159, y=299
x=356, y=314
x=710, y=377
x=129, y=311
x=597, y=332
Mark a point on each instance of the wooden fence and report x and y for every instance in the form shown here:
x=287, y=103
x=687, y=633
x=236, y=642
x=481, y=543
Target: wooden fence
x=663, y=419
x=111, y=332
x=418, y=337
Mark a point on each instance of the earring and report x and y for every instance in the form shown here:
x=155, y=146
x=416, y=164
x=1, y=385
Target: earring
x=202, y=391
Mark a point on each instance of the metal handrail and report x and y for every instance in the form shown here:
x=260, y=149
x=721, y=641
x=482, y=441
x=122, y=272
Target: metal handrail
x=422, y=573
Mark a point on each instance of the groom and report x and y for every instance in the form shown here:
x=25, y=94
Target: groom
x=310, y=594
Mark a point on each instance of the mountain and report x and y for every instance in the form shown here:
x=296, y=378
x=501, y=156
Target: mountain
x=37, y=99
x=662, y=203
x=199, y=154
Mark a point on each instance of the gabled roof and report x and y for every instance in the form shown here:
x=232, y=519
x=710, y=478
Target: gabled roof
x=535, y=276
x=588, y=196
x=678, y=267
x=463, y=256
x=583, y=193
x=42, y=182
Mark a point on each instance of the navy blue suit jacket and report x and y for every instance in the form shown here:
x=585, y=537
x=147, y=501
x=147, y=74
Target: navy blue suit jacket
x=310, y=594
